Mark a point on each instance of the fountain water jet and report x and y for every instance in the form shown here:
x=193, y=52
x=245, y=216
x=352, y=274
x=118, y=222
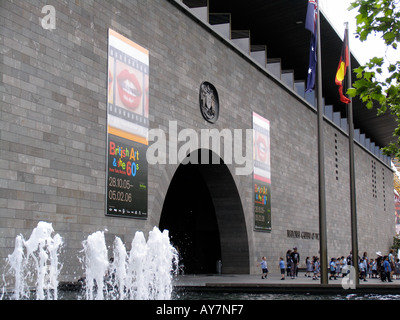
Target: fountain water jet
x=35, y=261
x=96, y=264
x=143, y=274
x=120, y=265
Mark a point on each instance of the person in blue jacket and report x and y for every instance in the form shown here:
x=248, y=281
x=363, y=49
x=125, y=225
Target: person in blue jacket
x=386, y=268
x=282, y=267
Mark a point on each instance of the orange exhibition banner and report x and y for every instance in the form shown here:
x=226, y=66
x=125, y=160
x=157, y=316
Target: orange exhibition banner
x=262, y=173
x=127, y=127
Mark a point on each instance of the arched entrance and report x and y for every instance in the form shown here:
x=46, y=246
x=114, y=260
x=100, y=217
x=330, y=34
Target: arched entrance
x=204, y=215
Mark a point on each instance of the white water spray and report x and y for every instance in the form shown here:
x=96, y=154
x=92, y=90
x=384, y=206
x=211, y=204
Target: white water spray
x=118, y=270
x=145, y=274
x=16, y=262
x=137, y=283
x=35, y=262
x=96, y=264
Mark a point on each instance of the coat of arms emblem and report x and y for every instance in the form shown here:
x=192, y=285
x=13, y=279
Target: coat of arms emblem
x=209, y=102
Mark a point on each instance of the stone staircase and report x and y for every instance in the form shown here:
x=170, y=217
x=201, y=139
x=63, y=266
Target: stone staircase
x=241, y=40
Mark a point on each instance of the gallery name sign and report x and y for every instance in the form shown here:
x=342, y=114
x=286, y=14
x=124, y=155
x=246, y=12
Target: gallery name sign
x=302, y=234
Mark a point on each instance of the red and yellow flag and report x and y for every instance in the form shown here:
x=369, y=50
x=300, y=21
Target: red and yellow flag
x=342, y=68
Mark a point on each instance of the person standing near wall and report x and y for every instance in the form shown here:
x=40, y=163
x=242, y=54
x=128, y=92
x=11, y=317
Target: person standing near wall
x=386, y=268
x=316, y=265
x=264, y=268
x=332, y=268
x=282, y=268
x=295, y=263
x=288, y=262
x=391, y=262
x=309, y=267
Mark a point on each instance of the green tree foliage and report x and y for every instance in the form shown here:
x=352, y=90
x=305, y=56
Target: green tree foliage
x=396, y=243
x=379, y=17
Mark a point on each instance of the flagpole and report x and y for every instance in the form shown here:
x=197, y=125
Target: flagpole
x=353, y=207
x=321, y=162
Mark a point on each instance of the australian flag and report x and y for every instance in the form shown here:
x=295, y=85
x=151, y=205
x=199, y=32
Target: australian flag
x=311, y=25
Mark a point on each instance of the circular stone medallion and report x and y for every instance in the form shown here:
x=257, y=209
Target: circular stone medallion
x=209, y=102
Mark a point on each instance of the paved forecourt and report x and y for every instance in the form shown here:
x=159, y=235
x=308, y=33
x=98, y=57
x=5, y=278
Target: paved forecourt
x=273, y=283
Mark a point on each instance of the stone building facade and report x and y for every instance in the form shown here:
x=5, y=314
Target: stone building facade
x=53, y=136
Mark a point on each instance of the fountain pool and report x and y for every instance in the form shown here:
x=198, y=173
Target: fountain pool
x=144, y=273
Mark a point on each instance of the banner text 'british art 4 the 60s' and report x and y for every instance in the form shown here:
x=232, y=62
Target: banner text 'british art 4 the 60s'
x=262, y=173
x=127, y=127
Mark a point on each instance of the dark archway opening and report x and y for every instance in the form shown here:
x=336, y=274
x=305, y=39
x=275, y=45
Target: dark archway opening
x=204, y=215
x=189, y=215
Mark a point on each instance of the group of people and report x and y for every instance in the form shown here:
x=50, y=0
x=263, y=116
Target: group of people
x=385, y=267
x=292, y=261
x=313, y=266
x=292, y=264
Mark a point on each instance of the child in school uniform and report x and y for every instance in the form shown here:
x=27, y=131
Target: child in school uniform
x=362, y=267
x=332, y=266
x=282, y=267
x=397, y=268
x=338, y=267
x=264, y=268
x=309, y=267
x=316, y=268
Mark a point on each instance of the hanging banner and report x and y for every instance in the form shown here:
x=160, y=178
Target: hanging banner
x=127, y=127
x=397, y=212
x=262, y=173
